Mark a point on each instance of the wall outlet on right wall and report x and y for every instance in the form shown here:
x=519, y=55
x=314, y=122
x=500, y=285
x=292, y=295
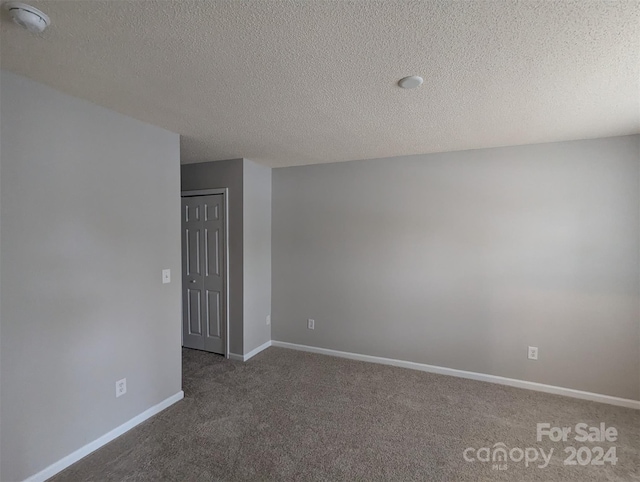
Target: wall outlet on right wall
x=121, y=387
x=532, y=353
x=311, y=324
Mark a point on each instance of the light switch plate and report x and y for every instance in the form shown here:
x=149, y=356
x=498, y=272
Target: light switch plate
x=166, y=276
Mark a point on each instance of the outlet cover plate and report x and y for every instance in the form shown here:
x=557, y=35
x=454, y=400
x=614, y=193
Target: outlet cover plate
x=121, y=387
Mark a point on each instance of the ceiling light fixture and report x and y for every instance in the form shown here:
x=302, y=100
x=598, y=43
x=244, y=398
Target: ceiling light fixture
x=27, y=16
x=410, y=82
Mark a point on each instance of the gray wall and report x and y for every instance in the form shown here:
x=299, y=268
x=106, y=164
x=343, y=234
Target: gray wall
x=464, y=259
x=257, y=254
x=229, y=174
x=90, y=215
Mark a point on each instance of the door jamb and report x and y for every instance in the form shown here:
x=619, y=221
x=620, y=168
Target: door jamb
x=225, y=197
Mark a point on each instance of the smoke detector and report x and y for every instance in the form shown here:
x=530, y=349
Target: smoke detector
x=27, y=16
x=410, y=82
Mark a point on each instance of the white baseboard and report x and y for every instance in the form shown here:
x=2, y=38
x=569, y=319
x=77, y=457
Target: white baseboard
x=72, y=458
x=255, y=351
x=251, y=354
x=512, y=382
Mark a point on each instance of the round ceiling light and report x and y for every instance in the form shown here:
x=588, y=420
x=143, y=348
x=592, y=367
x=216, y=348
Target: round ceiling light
x=410, y=82
x=27, y=16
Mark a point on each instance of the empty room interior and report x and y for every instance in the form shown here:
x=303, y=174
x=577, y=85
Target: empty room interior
x=316, y=240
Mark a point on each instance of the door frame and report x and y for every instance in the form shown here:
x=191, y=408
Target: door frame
x=225, y=208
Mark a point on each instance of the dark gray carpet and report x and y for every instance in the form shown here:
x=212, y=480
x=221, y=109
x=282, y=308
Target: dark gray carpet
x=288, y=415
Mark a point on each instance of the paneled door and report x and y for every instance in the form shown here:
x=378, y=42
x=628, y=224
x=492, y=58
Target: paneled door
x=203, y=273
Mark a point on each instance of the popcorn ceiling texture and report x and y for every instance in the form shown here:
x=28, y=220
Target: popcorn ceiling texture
x=301, y=82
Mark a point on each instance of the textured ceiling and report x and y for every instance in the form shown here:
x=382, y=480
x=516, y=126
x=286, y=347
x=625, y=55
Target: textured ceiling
x=300, y=82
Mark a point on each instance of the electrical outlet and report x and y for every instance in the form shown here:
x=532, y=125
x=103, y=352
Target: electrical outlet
x=311, y=324
x=121, y=387
x=268, y=319
x=532, y=353
x=166, y=276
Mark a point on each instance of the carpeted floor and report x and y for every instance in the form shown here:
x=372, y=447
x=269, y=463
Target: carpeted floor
x=288, y=415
